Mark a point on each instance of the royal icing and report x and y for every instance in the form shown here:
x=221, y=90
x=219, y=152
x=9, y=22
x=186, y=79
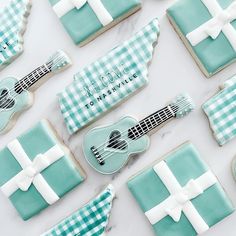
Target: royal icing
x=36, y=170
x=108, y=81
x=208, y=30
x=13, y=19
x=92, y=219
x=221, y=112
x=180, y=194
x=86, y=19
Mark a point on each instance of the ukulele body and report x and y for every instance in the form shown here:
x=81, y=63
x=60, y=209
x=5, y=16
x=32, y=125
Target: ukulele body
x=115, y=151
x=12, y=103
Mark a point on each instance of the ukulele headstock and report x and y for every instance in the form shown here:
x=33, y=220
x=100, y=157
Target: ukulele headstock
x=58, y=61
x=182, y=105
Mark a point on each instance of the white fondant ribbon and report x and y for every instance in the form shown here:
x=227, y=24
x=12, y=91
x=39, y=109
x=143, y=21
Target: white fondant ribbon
x=180, y=198
x=220, y=22
x=31, y=172
x=64, y=6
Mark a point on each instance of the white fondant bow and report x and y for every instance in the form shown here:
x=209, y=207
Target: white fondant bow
x=64, y=6
x=220, y=22
x=180, y=198
x=31, y=171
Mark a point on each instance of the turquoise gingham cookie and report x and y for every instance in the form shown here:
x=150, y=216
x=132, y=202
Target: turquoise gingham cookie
x=221, y=112
x=108, y=81
x=12, y=26
x=91, y=220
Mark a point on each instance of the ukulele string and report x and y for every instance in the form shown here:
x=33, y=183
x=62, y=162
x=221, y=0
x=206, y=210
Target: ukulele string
x=105, y=157
x=30, y=77
x=158, y=117
x=49, y=64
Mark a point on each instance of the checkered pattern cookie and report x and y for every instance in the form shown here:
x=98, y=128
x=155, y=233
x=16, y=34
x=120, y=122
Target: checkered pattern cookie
x=108, y=81
x=12, y=26
x=91, y=220
x=221, y=112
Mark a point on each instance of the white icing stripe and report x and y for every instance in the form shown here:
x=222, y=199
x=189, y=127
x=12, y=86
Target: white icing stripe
x=64, y=6
x=180, y=198
x=31, y=170
x=220, y=22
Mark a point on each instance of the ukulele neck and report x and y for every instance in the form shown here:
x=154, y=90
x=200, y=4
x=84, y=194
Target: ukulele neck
x=29, y=80
x=151, y=122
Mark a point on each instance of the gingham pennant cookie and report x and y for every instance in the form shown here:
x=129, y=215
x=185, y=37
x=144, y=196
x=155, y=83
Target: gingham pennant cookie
x=91, y=220
x=109, y=80
x=13, y=19
x=221, y=112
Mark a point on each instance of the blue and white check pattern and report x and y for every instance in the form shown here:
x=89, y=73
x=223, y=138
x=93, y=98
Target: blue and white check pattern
x=221, y=112
x=12, y=25
x=135, y=54
x=91, y=220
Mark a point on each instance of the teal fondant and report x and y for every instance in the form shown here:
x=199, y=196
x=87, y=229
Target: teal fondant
x=62, y=176
x=212, y=54
x=185, y=163
x=83, y=23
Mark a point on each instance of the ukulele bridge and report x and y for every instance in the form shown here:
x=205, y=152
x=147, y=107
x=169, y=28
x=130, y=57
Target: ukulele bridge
x=97, y=155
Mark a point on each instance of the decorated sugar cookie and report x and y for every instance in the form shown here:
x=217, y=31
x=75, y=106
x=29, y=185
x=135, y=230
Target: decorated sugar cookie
x=221, y=112
x=109, y=80
x=180, y=195
x=92, y=219
x=208, y=30
x=36, y=170
x=13, y=19
x=108, y=148
x=84, y=20
x=16, y=94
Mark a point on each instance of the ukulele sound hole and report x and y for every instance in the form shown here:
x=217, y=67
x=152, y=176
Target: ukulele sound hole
x=116, y=141
x=6, y=102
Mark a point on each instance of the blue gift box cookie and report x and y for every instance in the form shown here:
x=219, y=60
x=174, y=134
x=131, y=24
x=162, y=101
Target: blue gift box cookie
x=109, y=80
x=221, y=112
x=84, y=20
x=180, y=195
x=13, y=19
x=92, y=219
x=208, y=29
x=36, y=170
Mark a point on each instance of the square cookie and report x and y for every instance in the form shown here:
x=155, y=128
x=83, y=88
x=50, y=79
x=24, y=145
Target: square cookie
x=36, y=170
x=84, y=20
x=180, y=196
x=110, y=80
x=208, y=29
x=221, y=112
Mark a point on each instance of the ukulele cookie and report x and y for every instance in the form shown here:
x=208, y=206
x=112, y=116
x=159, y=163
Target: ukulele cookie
x=110, y=80
x=180, y=195
x=84, y=20
x=221, y=112
x=15, y=95
x=211, y=36
x=13, y=20
x=92, y=219
x=107, y=149
x=37, y=169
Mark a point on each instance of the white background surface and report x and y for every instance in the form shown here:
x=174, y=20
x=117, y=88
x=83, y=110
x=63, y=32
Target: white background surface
x=172, y=71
